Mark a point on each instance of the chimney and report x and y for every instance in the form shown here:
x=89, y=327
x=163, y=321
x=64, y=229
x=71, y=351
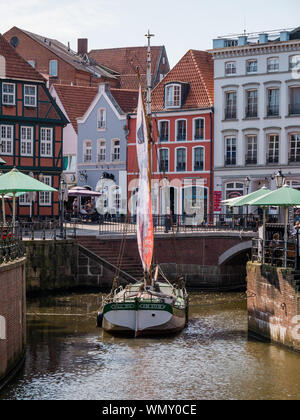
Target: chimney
x=82, y=46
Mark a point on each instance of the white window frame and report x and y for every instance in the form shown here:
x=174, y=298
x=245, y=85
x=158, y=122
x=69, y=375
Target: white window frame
x=24, y=199
x=194, y=152
x=248, y=62
x=51, y=68
x=230, y=68
x=101, y=119
x=159, y=125
x=294, y=62
x=45, y=197
x=46, y=142
x=101, y=150
x=26, y=140
x=273, y=68
x=32, y=96
x=269, y=135
x=87, y=151
x=176, y=151
x=297, y=149
x=168, y=153
x=115, y=150
x=176, y=129
x=194, y=128
x=252, y=149
x=8, y=140
x=231, y=150
x=9, y=94
x=170, y=101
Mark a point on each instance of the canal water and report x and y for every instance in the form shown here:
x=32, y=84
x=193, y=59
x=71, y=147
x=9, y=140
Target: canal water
x=67, y=358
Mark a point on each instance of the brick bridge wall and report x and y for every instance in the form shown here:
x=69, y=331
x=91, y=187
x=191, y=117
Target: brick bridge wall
x=274, y=304
x=12, y=317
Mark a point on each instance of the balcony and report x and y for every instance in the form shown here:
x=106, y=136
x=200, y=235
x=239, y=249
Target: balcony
x=294, y=109
x=251, y=160
x=251, y=111
x=230, y=114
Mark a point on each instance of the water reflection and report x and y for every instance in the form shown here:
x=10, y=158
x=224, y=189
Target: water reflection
x=211, y=359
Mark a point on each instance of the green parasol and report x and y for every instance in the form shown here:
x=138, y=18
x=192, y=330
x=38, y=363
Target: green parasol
x=244, y=200
x=15, y=182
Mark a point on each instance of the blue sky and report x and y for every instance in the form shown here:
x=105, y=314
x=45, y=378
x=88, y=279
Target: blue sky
x=119, y=23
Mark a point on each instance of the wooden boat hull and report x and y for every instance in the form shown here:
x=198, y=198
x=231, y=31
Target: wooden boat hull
x=142, y=319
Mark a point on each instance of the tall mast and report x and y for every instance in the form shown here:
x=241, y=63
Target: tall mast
x=148, y=105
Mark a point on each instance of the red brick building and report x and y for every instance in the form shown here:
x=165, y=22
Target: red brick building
x=182, y=120
x=57, y=62
x=31, y=129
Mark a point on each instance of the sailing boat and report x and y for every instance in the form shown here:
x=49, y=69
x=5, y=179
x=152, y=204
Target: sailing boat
x=150, y=306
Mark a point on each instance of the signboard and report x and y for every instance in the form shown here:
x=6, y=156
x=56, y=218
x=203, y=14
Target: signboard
x=217, y=201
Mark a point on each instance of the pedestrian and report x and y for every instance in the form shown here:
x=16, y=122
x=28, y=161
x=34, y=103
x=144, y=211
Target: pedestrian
x=167, y=220
x=75, y=207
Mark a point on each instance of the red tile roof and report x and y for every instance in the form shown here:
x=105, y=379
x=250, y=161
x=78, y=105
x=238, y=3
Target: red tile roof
x=195, y=68
x=15, y=66
x=76, y=100
x=126, y=60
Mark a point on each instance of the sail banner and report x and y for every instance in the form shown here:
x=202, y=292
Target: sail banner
x=143, y=211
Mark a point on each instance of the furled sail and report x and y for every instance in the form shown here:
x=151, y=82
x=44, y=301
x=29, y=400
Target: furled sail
x=144, y=212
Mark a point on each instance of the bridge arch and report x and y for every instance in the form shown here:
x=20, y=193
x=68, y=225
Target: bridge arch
x=234, y=251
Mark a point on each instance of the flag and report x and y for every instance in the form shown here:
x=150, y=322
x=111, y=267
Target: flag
x=143, y=212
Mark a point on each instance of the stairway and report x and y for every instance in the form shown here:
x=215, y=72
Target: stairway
x=109, y=251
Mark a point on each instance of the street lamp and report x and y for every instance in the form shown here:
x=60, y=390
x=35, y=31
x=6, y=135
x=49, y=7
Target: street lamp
x=247, y=185
x=279, y=179
x=62, y=195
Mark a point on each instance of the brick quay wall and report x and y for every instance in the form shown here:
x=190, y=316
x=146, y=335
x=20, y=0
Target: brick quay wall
x=273, y=304
x=12, y=317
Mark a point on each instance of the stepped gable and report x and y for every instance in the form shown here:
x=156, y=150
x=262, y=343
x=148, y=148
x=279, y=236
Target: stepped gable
x=196, y=69
x=15, y=66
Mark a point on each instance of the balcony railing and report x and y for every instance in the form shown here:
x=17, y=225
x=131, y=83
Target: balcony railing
x=275, y=253
x=230, y=114
x=87, y=158
x=272, y=159
x=251, y=160
x=199, y=166
x=251, y=111
x=294, y=159
x=294, y=109
x=230, y=162
x=180, y=167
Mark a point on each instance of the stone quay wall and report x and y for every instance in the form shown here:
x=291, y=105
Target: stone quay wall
x=12, y=317
x=273, y=304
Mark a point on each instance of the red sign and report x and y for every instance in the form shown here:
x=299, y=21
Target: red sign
x=217, y=200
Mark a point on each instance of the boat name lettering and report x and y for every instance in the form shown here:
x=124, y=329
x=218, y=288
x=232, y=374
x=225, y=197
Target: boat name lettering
x=123, y=306
x=152, y=306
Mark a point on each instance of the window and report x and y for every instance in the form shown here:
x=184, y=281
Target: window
x=32, y=63
x=8, y=94
x=294, y=106
x=26, y=141
x=294, y=62
x=117, y=198
x=273, y=64
x=273, y=102
x=230, y=106
x=230, y=151
x=164, y=130
x=172, y=96
x=46, y=142
x=198, y=159
x=29, y=95
x=102, y=119
x=181, y=160
x=251, y=107
x=251, y=66
x=181, y=130
x=199, y=129
x=101, y=151
x=251, y=156
x=273, y=148
x=6, y=139
x=230, y=68
x=115, y=150
x=45, y=197
x=163, y=160
x=24, y=199
x=53, y=68
x=294, y=148
x=87, y=151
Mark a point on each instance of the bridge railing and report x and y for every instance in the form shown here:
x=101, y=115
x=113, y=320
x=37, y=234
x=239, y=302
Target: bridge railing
x=275, y=253
x=180, y=223
x=11, y=247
